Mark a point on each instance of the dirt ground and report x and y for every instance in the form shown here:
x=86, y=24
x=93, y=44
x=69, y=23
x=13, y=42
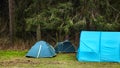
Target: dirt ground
x=28, y=61
x=18, y=61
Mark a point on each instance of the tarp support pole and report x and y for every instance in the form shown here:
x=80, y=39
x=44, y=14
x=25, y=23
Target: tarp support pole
x=100, y=46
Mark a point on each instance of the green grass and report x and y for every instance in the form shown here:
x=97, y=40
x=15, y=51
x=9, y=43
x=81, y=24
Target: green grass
x=17, y=59
x=9, y=54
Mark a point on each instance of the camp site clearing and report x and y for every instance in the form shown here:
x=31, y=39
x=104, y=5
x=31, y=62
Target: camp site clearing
x=17, y=59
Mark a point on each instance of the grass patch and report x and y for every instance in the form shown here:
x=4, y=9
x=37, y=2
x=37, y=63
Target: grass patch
x=17, y=59
x=9, y=54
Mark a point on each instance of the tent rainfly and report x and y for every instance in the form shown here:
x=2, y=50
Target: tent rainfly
x=65, y=47
x=41, y=49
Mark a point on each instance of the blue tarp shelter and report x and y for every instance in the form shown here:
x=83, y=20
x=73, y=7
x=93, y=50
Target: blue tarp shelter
x=41, y=49
x=99, y=46
x=65, y=46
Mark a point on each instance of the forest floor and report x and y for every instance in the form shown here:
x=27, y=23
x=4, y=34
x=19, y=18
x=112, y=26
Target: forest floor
x=17, y=59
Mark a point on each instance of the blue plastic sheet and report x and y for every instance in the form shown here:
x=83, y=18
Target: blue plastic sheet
x=99, y=46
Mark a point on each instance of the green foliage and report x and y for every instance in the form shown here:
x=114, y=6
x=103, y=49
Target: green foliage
x=62, y=17
x=66, y=17
x=37, y=19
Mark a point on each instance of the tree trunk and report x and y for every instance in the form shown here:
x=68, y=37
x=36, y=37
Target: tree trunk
x=77, y=38
x=87, y=24
x=11, y=21
x=66, y=37
x=57, y=37
x=60, y=36
x=38, y=33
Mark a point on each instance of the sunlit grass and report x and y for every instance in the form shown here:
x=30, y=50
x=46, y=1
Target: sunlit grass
x=9, y=54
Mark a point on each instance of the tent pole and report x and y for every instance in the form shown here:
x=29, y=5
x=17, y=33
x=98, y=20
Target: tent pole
x=39, y=51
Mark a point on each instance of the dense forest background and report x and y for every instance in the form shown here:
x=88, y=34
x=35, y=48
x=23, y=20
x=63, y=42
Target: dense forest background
x=23, y=22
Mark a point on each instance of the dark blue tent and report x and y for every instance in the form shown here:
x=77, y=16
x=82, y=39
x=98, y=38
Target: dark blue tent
x=65, y=46
x=98, y=46
x=41, y=49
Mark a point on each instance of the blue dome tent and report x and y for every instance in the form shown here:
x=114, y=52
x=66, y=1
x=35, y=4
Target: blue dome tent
x=65, y=46
x=99, y=47
x=41, y=49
